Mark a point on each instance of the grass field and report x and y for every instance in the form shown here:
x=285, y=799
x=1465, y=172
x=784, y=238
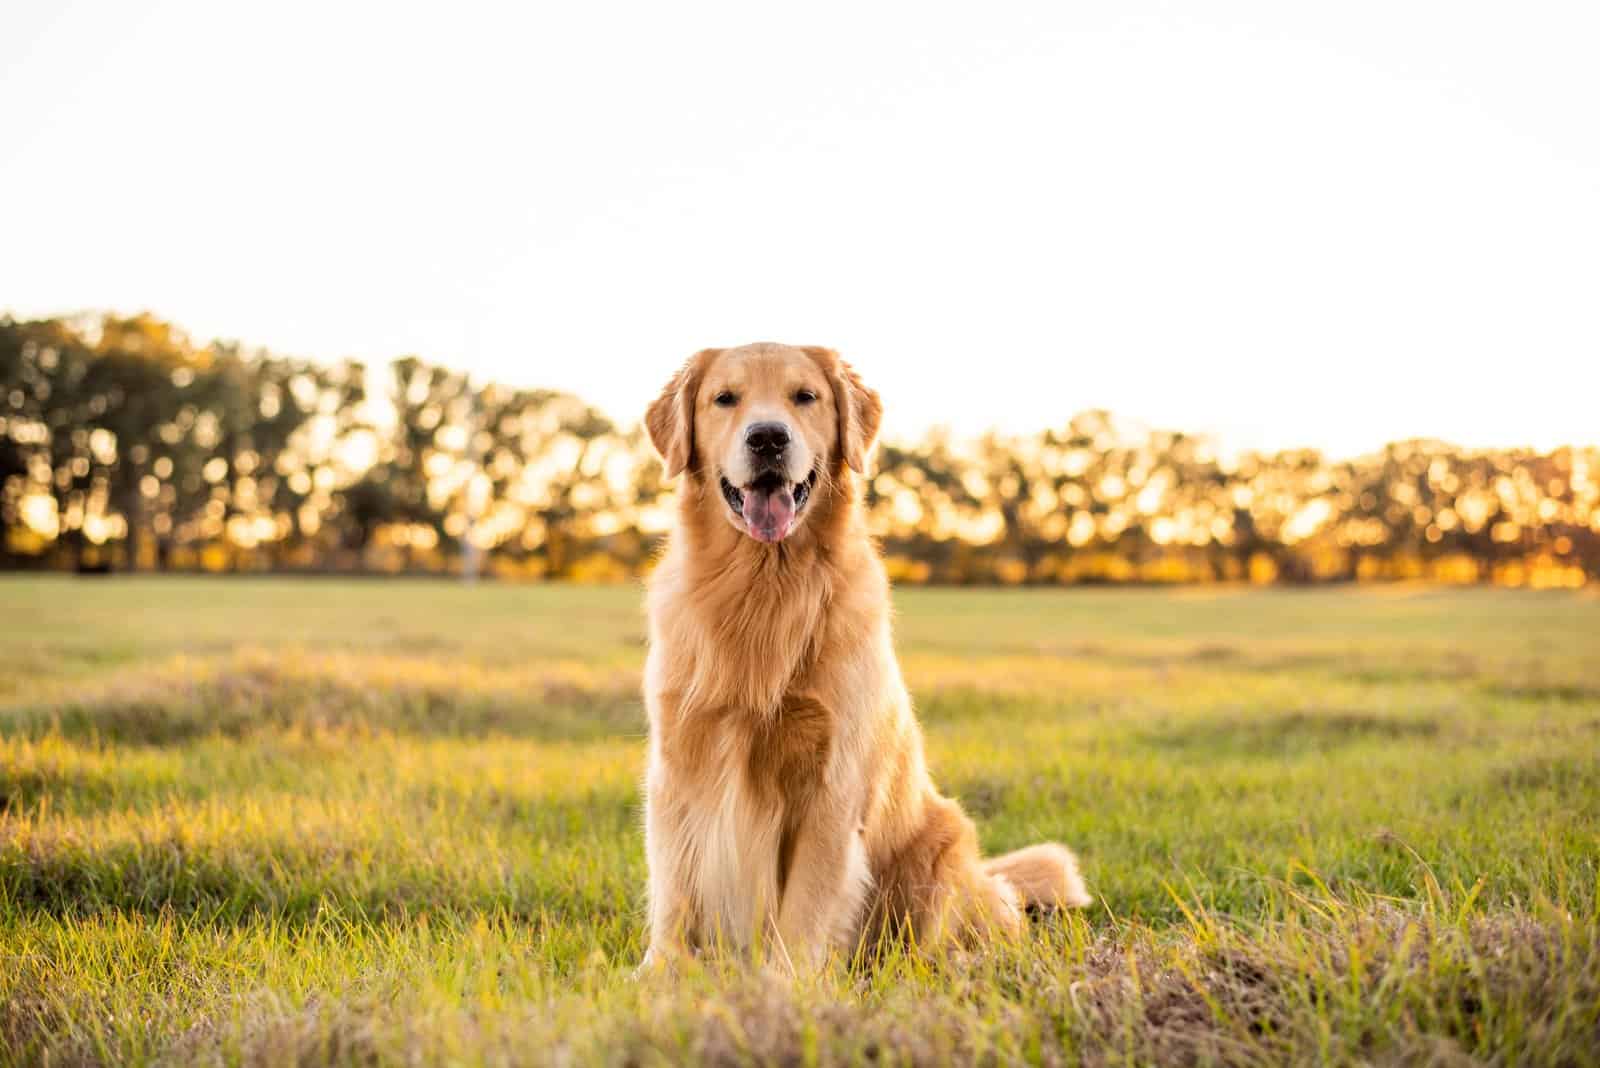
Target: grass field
x=281, y=821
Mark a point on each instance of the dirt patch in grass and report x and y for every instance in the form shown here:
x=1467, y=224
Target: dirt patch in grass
x=37, y=1028
x=324, y=1032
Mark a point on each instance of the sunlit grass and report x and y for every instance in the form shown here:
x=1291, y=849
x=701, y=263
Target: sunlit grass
x=325, y=821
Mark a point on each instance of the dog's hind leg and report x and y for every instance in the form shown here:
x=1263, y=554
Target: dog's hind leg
x=937, y=884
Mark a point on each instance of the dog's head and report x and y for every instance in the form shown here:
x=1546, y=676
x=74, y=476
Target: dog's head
x=769, y=427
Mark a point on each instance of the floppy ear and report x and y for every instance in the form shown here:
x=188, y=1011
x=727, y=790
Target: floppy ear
x=859, y=409
x=670, y=417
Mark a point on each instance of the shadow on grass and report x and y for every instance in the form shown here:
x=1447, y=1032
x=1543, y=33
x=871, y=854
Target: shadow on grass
x=25, y=788
x=236, y=698
x=1576, y=777
x=1547, y=692
x=1294, y=732
x=562, y=860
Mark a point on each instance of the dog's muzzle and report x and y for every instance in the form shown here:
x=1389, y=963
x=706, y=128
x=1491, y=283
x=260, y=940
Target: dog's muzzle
x=769, y=502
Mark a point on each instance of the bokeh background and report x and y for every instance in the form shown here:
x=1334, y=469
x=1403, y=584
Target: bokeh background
x=126, y=445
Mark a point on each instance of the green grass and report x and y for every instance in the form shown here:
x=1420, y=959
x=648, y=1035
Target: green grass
x=281, y=821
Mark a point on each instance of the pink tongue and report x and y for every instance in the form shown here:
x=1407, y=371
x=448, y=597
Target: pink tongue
x=769, y=512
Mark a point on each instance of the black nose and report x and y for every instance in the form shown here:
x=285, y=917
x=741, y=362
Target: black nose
x=767, y=439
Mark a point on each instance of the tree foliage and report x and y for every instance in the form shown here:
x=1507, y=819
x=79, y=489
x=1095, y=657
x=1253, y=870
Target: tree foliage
x=125, y=444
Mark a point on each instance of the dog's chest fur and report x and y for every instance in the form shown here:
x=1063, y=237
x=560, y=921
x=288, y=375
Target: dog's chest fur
x=744, y=742
x=744, y=787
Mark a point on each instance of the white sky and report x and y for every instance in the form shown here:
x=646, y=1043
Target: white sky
x=1287, y=223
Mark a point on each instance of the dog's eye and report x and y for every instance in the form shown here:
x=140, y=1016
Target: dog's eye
x=726, y=399
x=805, y=396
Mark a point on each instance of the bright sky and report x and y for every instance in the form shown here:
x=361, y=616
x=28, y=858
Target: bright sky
x=1288, y=224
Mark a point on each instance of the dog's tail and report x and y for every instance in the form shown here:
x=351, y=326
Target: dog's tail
x=1044, y=875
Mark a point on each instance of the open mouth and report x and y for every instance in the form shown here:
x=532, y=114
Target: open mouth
x=769, y=505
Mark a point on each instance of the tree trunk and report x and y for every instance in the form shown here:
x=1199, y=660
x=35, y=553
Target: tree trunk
x=131, y=504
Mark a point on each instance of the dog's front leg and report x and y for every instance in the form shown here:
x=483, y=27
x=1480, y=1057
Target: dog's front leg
x=670, y=900
x=825, y=886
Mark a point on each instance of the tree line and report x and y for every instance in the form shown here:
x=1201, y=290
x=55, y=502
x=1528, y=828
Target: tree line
x=126, y=445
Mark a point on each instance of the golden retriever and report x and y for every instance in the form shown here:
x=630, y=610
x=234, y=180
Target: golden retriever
x=787, y=802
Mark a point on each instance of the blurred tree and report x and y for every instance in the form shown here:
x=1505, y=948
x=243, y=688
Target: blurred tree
x=141, y=373
x=24, y=439
x=122, y=440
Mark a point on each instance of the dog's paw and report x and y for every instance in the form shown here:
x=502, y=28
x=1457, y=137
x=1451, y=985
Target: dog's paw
x=653, y=964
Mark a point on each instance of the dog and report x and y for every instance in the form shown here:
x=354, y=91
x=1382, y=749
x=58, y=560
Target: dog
x=787, y=802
